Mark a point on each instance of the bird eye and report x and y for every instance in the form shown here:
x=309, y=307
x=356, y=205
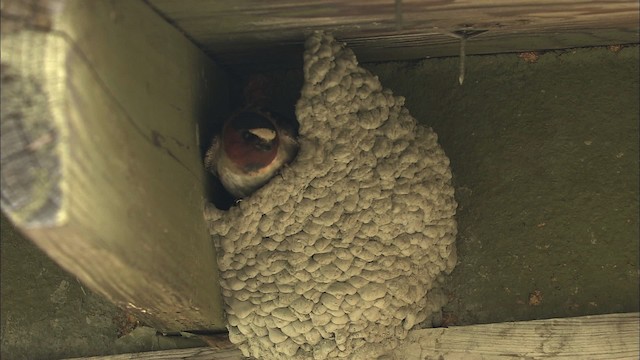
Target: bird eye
x=250, y=137
x=247, y=136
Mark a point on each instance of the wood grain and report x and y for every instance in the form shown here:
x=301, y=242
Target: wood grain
x=201, y=353
x=101, y=163
x=611, y=336
x=252, y=32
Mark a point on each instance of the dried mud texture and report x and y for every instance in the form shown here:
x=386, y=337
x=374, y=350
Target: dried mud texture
x=340, y=256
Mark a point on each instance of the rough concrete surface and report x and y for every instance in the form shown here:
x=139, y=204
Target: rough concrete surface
x=545, y=163
x=544, y=158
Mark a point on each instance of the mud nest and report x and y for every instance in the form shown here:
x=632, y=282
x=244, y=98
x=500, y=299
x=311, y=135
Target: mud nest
x=341, y=254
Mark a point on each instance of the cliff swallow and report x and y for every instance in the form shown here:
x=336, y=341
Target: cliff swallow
x=253, y=145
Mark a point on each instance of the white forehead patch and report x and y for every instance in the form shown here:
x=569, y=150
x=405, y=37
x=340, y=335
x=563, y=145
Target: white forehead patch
x=264, y=134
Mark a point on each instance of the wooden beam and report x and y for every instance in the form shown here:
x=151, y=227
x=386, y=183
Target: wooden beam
x=247, y=32
x=612, y=336
x=101, y=163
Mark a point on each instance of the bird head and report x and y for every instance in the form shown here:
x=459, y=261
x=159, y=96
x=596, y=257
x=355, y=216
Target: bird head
x=250, y=140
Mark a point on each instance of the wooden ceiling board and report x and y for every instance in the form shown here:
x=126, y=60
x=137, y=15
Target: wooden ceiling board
x=255, y=31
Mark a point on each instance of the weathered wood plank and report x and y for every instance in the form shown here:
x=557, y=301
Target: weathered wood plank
x=101, y=165
x=201, y=353
x=612, y=336
x=253, y=31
